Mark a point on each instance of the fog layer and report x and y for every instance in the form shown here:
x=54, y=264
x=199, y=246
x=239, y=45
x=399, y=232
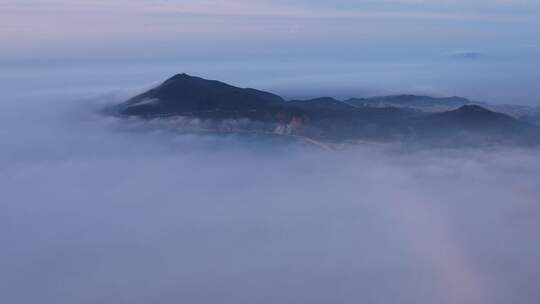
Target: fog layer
x=97, y=209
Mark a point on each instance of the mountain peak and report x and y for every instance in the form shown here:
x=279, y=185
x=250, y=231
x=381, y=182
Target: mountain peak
x=183, y=93
x=473, y=109
x=179, y=77
x=476, y=116
x=182, y=77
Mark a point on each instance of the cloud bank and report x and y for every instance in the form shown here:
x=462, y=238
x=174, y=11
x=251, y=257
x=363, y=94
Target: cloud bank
x=96, y=209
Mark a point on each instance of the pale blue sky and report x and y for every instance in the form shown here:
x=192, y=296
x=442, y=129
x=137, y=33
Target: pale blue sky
x=159, y=27
x=432, y=35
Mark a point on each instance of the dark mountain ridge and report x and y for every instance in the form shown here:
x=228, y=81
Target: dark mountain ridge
x=429, y=104
x=325, y=118
x=182, y=94
x=408, y=100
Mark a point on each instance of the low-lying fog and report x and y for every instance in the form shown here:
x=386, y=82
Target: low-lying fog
x=99, y=210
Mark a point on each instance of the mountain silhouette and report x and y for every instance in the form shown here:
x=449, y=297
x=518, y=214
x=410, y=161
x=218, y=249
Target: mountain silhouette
x=222, y=107
x=411, y=101
x=183, y=94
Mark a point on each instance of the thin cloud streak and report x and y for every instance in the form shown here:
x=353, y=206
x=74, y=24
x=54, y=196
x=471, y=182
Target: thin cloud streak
x=297, y=9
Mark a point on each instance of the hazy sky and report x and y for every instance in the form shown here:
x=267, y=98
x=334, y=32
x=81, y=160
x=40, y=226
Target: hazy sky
x=148, y=28
x=98, y=209
x=434, y=46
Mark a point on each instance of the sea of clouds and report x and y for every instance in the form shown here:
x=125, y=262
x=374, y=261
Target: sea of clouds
x=98, y=209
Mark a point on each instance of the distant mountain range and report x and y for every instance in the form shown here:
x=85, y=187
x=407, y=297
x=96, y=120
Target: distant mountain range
x=441, y=104
x=215, y=106
x=425, y=103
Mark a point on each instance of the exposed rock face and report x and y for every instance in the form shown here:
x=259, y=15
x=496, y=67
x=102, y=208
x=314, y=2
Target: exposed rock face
x=214, y=105
x=292, y=127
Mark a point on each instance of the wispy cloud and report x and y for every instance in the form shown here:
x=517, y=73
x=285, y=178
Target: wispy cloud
x=294, y=8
